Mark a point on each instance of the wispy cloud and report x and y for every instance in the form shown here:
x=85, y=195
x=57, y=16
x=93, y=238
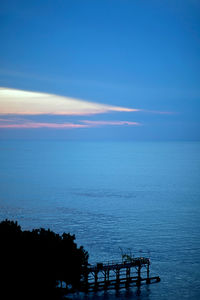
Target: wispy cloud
x=110, y=123
x=34, y=125
x=19, y=102
x=25, y=124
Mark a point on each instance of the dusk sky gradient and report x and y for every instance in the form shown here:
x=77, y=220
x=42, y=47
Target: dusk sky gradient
x=100, y=70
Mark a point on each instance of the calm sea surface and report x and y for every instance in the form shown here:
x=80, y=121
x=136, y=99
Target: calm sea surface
x=142, y=196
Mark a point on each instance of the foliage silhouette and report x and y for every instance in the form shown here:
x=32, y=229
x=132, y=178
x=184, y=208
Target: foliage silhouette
x=34, y=261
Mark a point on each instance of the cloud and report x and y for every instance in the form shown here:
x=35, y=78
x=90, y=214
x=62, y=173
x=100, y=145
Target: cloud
x=19, y=102
x=110, y=123
x=22, y=124
x=35, y=125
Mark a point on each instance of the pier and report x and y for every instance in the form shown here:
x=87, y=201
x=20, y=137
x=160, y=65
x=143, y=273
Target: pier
x=118, y=275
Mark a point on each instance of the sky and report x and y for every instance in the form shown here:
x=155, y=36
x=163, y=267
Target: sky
x=100, y=70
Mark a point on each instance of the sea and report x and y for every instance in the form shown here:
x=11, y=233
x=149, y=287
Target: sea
x=139, y=198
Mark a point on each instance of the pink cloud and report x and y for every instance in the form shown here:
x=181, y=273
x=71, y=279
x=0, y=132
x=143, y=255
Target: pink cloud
x=25, y=124
x=35, y=125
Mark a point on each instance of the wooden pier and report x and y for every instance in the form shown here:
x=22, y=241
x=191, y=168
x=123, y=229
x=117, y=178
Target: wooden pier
x=118, y=275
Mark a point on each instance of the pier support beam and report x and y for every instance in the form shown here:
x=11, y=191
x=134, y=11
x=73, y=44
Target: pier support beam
x=117, y=278
x=139, y=276
x=148, y=278
x=128, y=272
x=96, y=280
x=106, y=279
x=85, y=282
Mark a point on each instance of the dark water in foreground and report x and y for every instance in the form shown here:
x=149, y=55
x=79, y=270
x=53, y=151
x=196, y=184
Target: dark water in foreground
x=143, y=196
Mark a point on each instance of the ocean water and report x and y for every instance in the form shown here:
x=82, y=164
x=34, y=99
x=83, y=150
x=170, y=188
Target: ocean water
x=140, y=197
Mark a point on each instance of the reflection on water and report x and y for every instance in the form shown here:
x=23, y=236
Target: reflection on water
x=137, y=293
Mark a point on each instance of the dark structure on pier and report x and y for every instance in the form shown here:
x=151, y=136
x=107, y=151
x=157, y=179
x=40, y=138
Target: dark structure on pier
x=118, y=275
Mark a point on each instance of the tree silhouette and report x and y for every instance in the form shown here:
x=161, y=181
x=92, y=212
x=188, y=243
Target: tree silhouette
x=34, y=261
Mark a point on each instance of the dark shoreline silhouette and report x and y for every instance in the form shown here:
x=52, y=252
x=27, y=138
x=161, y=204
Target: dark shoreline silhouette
x=33, y=262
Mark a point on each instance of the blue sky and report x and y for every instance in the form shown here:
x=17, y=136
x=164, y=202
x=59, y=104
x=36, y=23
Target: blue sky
x=141, y=55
